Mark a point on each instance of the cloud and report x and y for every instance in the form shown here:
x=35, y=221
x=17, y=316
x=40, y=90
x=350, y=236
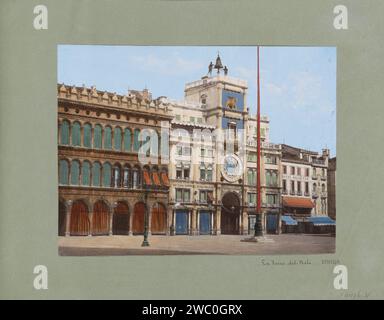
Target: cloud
x=172, y=65
x=273, y=88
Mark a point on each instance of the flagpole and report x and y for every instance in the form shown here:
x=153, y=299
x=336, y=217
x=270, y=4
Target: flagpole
x=259, y=224
x=258, y=135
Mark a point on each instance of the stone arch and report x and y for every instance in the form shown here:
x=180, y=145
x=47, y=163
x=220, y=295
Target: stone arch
x=230, y=213
x=100, y=218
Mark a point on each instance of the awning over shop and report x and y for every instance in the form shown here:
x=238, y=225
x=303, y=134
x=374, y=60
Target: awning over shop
x=165, y=179
x=294, y=202
x=156, y=179
x=321, y=221
x=289, y=221
x=147, y=178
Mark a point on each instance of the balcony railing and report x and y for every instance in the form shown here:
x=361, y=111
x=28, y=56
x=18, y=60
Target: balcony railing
x=292, y=193
x=318, y=161
x=299, y=193
x=306, y=194
x=284, y=192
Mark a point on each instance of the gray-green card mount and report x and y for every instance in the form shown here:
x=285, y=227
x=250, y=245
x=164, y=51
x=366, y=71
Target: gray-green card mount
x=30, y=33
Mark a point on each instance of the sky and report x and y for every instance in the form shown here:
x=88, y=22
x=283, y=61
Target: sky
x=298, y=84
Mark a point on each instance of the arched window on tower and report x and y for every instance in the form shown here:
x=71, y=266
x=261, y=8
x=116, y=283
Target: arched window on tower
x=108, y=138
x=97, y=137
x=107, y=174
x=86, y=173
x=96, y=169
x=87, y=131
x=64, y=133
x=127, y=140
x=75, y=172
x=76, y=136
x=117, y=139
x=63, y=172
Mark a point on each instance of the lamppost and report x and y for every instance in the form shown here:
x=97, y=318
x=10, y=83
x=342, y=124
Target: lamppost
x=146, y=218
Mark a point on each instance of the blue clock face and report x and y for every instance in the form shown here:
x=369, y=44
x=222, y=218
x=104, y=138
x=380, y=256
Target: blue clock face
x=230, y=165
x=232, y=168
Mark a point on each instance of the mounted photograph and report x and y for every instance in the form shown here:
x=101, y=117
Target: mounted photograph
x=190, y=150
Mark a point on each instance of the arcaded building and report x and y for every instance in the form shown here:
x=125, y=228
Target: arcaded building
x=103, y=187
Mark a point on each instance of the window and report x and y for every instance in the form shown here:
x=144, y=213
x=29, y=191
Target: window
x=108, y=138
x=285, y=169
x=76, y=137
x=323, y=172
x=179, y=150
x=251, y=177
x=270, y=159
x=97, y=136
x=202, y=173
x=314, y=187
x=87, y=131
x=271, y=198
x=127, y=140
x=126, y=178
x=117, y=139
x=116, y=177
x=271, y=178
x=307, y=172
x=135, y=179
x=202, y=152
x=292, y=170
x=86, y=173
x=186, y=151
x=183, y=195
x=200, y=120
x=64, y=134
x=75, y=172
x=179, y=173
x=251, y=197
x=252, y=157
x=63, y=172
x=186, y=173
x=178, y=117
x=299, y=171
x=209, y=174
x=192, y=119
x=136, y=142
x=292, y=186
x=107, y=174
x=179, y=195
x=323, y=187
x=210, y=153
x=96, y=168
x=187, y=195
x=298, y=186
x=306, y=187
x=314, y=172
x=203, y=196
x=262, y=132
x=284, y=185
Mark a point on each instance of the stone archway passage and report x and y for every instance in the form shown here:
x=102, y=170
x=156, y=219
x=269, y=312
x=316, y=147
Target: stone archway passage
x=138, y=218
x=158, y=219
x=79, y=222
x=120, y=224
x=100, y=219
x=230, y=214
x=62, y=219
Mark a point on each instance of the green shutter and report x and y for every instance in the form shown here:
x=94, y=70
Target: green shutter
x=76, y=137
x=64, y=139
x=136, y=143
x=87, y=135
x=127, y=140
x=107, y=174
x=108, y=138
x=86, y=174
x=97, y=137
x=96, y=174
x=75, y=172
x=117, y=139
x=63, y=172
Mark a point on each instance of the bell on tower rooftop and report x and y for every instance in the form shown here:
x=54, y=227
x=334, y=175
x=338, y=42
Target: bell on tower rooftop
x=218, y=64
